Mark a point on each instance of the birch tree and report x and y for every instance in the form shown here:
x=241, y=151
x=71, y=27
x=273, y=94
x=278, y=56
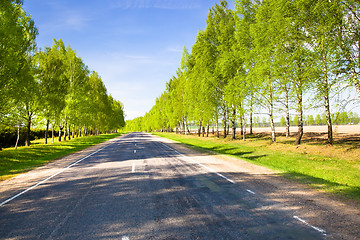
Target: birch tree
x=349, y=41
x=17, y=43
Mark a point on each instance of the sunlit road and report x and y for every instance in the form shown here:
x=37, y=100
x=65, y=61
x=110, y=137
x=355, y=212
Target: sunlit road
x=138, y=187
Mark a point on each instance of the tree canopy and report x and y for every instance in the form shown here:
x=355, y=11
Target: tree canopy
x=263, y=57
x=51, y=86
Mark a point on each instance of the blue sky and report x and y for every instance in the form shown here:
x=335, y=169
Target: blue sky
x=135, y=45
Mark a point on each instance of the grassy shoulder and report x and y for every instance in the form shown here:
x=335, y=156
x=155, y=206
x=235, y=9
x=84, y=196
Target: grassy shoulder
x=13, y=161
x=334, y=169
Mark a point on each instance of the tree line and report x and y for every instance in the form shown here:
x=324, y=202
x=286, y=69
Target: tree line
x=262, y=56
x=51, y=85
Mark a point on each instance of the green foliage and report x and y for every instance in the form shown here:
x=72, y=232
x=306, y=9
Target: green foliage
x=310, y=120
x=17, y=41
x=52, y=80
x=263, y=57
x=318, y=120
x=295, y=121
x=53, y=84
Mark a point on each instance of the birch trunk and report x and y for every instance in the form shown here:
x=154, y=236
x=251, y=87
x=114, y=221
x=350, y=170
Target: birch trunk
x=272, y=125
x=287, y=114
x=241, y=126
x=52, y=133
x=199, y=130
x=234, y=125
x=18, y=136
x=28, y=127
x=65, y=128
x=244, y=131
x=46, y=132
x=328, y=120
x=273, y=135
x=327, y=102
x=300, y=116
x=224, y=120
x=251, y=114
x=60, y=128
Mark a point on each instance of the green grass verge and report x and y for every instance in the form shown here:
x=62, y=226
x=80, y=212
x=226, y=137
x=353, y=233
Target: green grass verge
x=339, y=176
x=22, y=159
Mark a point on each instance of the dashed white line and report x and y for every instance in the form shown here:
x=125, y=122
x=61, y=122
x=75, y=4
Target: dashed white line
x=248, y=190
x=322, y=231
x=133, y=168
x=47, y=179
x=206, y=167
x=213, y=171
x=308, y=224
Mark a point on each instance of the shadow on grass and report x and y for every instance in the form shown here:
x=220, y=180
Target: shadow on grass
x=321, y=184
x=232, y=151
x=285, y=162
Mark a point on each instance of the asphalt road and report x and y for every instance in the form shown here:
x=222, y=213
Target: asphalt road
x=138, y=187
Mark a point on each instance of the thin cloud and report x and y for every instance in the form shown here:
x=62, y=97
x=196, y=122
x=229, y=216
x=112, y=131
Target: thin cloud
x=174, y=49
x=138, y=57
x=67, y=20
x=160, y=4
x=76, y=20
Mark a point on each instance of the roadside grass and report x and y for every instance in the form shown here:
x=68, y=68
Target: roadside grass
x=13, y=161
x=333, y=169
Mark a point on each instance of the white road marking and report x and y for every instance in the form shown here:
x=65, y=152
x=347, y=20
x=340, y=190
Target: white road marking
x=133, y=168
x=250, y=191
x=308, y=224
x=206, y=167
x=134, y=151
x=322, y=231
x=47, y=179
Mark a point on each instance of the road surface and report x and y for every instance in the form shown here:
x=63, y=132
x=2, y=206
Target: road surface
x=139, y=187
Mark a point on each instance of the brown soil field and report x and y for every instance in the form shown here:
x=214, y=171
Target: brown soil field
x=318, y=133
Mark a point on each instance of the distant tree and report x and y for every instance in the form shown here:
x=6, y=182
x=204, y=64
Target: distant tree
x=282, y=121
x=296, y=120
x=310, y=120
x=264, y=122
x=318, y=120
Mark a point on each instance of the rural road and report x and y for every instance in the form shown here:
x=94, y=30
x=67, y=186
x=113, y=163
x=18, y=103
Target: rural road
x=139, y=186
